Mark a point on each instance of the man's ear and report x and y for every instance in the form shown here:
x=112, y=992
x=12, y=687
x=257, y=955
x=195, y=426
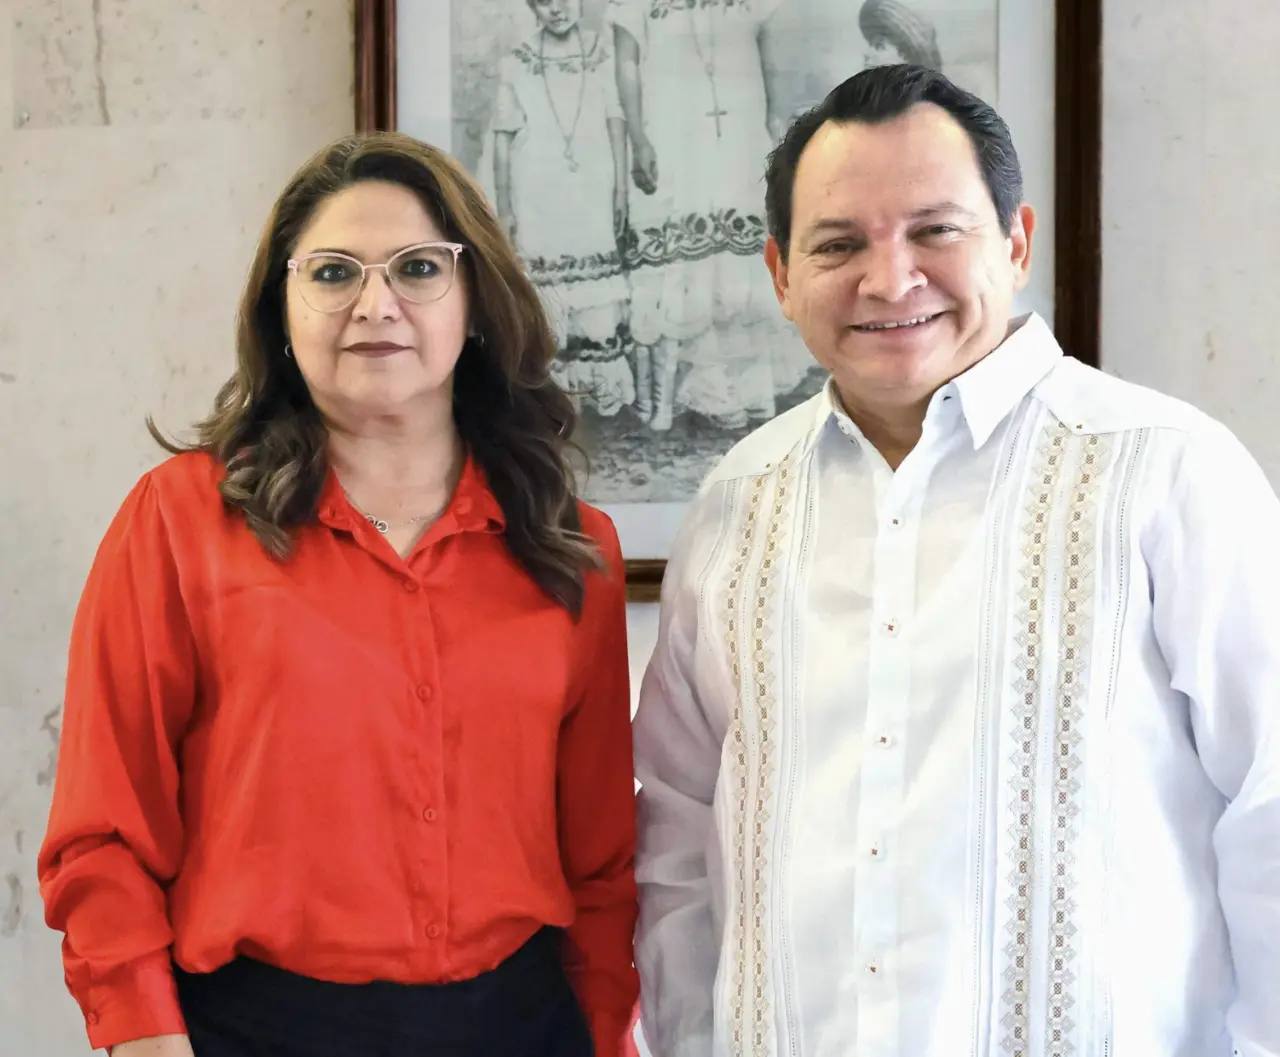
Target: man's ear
x=1020, y=233
x=776, y=260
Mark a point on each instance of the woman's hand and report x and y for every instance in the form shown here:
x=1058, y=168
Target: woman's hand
x=644, y=166
x=156, y=1046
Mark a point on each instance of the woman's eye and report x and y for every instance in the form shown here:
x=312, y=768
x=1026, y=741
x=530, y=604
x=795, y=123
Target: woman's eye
x=419, y=268
x=332, y=272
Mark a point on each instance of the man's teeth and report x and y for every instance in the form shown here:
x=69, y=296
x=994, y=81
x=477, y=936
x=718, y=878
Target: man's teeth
x=892, y=326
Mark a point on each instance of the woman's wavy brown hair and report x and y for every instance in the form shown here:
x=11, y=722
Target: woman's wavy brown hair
x=514, y=420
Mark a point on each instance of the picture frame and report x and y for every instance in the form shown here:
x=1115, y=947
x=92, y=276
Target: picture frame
x=1072, y=169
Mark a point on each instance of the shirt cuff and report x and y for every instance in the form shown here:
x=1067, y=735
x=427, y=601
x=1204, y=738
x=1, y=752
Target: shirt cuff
x=137, y=1001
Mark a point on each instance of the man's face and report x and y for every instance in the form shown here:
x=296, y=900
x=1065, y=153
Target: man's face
x=899, y=276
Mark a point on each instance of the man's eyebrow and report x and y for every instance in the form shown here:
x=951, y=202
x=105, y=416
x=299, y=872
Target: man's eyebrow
x=823, y=225
x=941, y=208
x=844, y=226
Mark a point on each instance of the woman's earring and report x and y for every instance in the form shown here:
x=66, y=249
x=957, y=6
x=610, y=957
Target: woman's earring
x=288, y=351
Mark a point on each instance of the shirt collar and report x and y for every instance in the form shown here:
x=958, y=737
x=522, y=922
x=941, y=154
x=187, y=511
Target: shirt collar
x=991, y=388
x=996, y=384
x=473, y=507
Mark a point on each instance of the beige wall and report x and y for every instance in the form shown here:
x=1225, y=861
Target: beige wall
x=1191, y=211
x=142, y=142
x=141, y=145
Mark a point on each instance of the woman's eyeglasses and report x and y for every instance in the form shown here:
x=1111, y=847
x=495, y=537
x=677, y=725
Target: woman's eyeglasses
x=332, y=282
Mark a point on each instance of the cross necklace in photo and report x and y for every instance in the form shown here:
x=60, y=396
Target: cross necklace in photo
x=707, y=57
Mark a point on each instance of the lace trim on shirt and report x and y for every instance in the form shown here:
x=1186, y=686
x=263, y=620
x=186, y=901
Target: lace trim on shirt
x=1073, y=650
x=752, y=762
x=1074, y=593
x=1033, y=575
x=738, y=765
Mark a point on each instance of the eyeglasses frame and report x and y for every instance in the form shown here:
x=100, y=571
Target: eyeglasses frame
x=455, y=248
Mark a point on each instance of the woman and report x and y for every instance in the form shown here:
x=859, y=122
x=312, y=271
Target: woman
x=897, y=34
x=560, y=178
x=346, y=742
x=692, y=86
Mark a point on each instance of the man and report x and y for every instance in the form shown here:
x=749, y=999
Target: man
x=962, y=737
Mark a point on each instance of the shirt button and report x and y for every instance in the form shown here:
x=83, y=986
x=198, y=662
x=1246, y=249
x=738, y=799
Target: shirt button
x=92, y=1018
x=876, y=851
x=424, y=692
x=411, y=586
x=433, y=932
x=895, y=522
x=428, y=814
x=890, y=627
x=873, y=968
x=884, y=741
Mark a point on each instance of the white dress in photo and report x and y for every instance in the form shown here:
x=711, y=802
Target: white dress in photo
x=695, y=248
x=562, y=181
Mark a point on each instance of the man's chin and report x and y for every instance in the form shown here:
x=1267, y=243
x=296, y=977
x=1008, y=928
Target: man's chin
x=898, y=377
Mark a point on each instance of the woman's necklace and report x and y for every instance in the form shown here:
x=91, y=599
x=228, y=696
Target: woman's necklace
x=708, y=60
x=570, y=160
x=383, y=525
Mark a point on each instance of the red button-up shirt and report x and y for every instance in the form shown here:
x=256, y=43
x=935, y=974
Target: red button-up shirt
x=349, y=765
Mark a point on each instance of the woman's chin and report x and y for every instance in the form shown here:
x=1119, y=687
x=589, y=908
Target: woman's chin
x=391, y=396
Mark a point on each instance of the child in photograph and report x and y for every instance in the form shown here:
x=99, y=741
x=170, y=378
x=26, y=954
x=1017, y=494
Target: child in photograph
x=896, y=33
x=560, y=181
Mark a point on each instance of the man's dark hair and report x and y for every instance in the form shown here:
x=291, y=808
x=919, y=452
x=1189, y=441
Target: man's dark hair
x=882, y=93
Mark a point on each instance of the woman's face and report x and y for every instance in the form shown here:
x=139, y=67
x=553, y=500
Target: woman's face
x=384, y=355
x=557, y=17
x=880, y=52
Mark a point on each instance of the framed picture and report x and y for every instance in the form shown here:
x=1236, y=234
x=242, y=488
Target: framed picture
x=647, y=248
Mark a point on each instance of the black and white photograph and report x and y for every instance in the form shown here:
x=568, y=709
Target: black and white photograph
x=623, y=143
